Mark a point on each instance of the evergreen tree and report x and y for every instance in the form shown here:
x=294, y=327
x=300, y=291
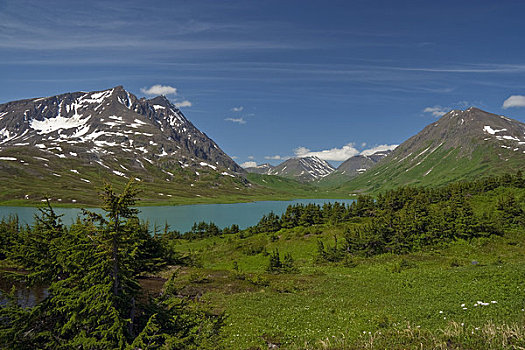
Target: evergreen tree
x=94, y=300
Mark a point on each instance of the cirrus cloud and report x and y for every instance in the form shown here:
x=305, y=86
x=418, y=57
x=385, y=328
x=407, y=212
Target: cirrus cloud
x=514, y=101
x=236, y=120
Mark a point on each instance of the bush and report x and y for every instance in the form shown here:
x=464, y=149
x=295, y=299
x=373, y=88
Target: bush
x=276, y=265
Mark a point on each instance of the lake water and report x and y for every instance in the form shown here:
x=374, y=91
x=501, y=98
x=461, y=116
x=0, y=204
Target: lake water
x=182, y=217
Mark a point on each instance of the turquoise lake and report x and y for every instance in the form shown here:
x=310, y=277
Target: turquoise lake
x=182, y=217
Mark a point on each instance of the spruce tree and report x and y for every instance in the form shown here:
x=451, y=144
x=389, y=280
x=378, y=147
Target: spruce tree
x=94, y=299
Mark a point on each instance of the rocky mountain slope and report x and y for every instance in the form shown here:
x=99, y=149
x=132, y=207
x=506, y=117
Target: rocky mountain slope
x=302, y=169
x=357, y=165
x=460, y=145
x=66, y=144
x=263, y=169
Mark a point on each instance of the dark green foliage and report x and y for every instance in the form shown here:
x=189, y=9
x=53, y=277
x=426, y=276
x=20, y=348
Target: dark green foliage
x=269, y=223
x=509, y=211
x=202, y=230
x=255, y=247
x=415, y=226
x=329, y=253
x=233, y=229
x=9, y=230
x=409, y=219
x=278, y=265
x=94, y=300
x=417, y=203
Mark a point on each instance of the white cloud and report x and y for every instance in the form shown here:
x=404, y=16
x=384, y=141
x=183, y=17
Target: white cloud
x=237, y=109
x=379, y=148
x=276, y=157
x=336, y=154
x=250, y=164
x=436, y=111
x=184, y=103
x=159, y=90
x=236, y=120
x=514, y=101
x=251, y=157
x=234, y=157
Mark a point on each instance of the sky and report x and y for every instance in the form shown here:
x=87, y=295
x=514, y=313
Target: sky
x=268, y=80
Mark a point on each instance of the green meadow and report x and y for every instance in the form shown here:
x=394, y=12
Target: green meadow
x=413, y=268
x=466, y=294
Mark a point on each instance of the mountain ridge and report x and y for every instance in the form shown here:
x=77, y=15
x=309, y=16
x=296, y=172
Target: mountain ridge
x=82, y=138
x=462, y=144
x=303, y=169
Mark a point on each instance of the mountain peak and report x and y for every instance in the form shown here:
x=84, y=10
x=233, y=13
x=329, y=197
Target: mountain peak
x=462, y=144
x=161, y=100
x=303, y=168
x=357, y=165
x=112, y=133
x=118, y=88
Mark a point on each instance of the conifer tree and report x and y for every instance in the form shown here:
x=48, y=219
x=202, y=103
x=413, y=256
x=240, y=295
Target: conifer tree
x=93, y=296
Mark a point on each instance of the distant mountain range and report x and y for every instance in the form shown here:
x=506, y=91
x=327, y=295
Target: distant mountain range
x=357, y=165
x=301, y=169
x=308, y=169
x=63, y=146
x=76, y=139
x=462, y=144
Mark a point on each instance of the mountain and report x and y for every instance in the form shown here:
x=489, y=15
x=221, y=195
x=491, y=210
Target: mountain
x=264, y=169
x=463, y=144
x=303, y=169
x=75, y=140
x=357, y=165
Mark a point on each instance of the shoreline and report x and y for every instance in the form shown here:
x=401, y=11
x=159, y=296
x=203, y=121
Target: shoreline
x=144, y=203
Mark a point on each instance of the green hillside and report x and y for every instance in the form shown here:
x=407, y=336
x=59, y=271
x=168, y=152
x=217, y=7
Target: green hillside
x=288, y=187
x=461, y=145
x=440, y=167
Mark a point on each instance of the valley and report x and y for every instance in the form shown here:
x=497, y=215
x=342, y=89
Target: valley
x=253, y=175
x=76, y=141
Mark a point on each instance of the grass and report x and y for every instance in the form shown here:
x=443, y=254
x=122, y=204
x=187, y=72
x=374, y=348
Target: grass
x=466, y=295
x=326, y=301
x=323, y=302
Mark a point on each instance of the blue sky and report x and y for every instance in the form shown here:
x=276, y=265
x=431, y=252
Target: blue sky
x=271, y=79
